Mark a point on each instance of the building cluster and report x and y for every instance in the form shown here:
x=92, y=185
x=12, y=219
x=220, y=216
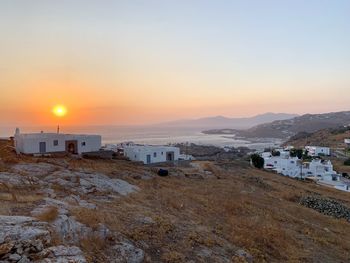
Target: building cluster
x=78, y=144
x=285, y=163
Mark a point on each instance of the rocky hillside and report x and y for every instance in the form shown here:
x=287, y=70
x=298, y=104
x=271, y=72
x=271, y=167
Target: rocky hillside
x=76, y=210
x=284, y=129
x=333, y=138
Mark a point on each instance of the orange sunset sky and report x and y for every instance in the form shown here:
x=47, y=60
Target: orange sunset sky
x=139, y=62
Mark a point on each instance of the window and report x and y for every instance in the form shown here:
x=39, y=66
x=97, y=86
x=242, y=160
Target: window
x=154, y=154
x=55, y=143
x=83, y=144
x=162, y=153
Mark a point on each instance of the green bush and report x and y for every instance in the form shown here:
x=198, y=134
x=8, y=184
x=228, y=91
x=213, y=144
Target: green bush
x=296, y=153
x=276, y=153
x=257, y=161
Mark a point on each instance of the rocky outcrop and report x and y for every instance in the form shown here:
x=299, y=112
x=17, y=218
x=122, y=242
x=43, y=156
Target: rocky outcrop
x=34, y=169
x=62, y=254
x=25, y=239
x=65, y=225
x=126, y=252
x=13, y=179
x=88, y=183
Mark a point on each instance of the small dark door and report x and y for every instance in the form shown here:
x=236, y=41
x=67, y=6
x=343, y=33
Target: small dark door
x=148, y=158
x=170, y=156
x=42, y=147
x=72, y=147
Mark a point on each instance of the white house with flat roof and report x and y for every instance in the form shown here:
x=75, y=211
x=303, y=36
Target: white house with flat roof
x=347, y=142
x=152, y=154
x=318, y=150
x=46, y=143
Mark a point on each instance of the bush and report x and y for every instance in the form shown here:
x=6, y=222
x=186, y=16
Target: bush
x=276, y=153
x=296, y=153
x=347, y=162
x=257, y=161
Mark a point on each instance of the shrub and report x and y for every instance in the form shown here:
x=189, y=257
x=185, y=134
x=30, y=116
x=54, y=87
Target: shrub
x=49, y=215
x=276, y=153
x=296, y=153
x=257, y=161
x=347, y=162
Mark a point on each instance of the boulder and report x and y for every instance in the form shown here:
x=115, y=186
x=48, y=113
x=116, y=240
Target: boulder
x=62, y=254
x=128, y=253
x=20, y=228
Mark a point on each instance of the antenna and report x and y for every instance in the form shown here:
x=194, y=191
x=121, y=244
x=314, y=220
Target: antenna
x=58, y=128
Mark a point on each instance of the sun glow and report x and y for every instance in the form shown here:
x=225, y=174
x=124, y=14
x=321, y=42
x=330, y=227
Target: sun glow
x=59, y=110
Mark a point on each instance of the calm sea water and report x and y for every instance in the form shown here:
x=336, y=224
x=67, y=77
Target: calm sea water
x=149, y=135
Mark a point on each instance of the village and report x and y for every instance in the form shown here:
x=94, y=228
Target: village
x=311, y=163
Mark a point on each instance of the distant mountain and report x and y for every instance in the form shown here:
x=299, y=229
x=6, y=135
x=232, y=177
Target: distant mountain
x=220, y=122
x=284, y=129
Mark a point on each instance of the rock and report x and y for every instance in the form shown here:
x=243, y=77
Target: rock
x=128, y=253
x=34, y=169
x=19, y=228
x=86, y=183
x=24, y=259
x=17, y=180
x=6, y=248
x=69, y=229
x=62, y=254
x=326, y=206
x=146, y=220
x=245, y=255
x=14, y=257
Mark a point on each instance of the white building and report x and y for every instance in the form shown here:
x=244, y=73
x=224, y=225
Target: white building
x=46, y=143
x=319, y=168
x=318, y=150
x=286, y=165
x=347, y=142
x=152, y=154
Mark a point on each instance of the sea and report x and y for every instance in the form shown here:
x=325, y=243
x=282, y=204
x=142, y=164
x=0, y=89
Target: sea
x=152, y=135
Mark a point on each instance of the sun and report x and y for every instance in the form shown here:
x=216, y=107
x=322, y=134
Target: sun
x=59, y=110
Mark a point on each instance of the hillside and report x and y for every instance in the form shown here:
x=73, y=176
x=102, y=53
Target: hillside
x=116, y=211
x=333, y=138
x=284, y=129
x=219, y=122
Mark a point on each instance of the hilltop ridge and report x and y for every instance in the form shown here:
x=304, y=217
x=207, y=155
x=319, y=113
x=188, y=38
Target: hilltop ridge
x=284, y=129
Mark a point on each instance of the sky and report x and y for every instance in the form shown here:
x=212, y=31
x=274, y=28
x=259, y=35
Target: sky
x=138, y=62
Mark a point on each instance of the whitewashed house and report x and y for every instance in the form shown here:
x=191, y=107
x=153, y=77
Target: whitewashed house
x=152, y=154
x=347, y=142
x=46, y=143
x=286, y=165
x=318, y=150
x=318, y=168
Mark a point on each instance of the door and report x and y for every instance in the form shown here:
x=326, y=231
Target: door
x=148, y=158
x=72, y=147
x=42, y=147
x=170, y=156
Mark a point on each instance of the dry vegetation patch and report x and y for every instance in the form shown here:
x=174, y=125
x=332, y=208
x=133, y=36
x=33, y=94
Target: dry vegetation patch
x=50, y=214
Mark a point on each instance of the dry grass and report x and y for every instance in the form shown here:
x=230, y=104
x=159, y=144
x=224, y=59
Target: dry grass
x=238, y=208
x=94, y=246
x=49, y=215
x=91, y=218
x=260, y=215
